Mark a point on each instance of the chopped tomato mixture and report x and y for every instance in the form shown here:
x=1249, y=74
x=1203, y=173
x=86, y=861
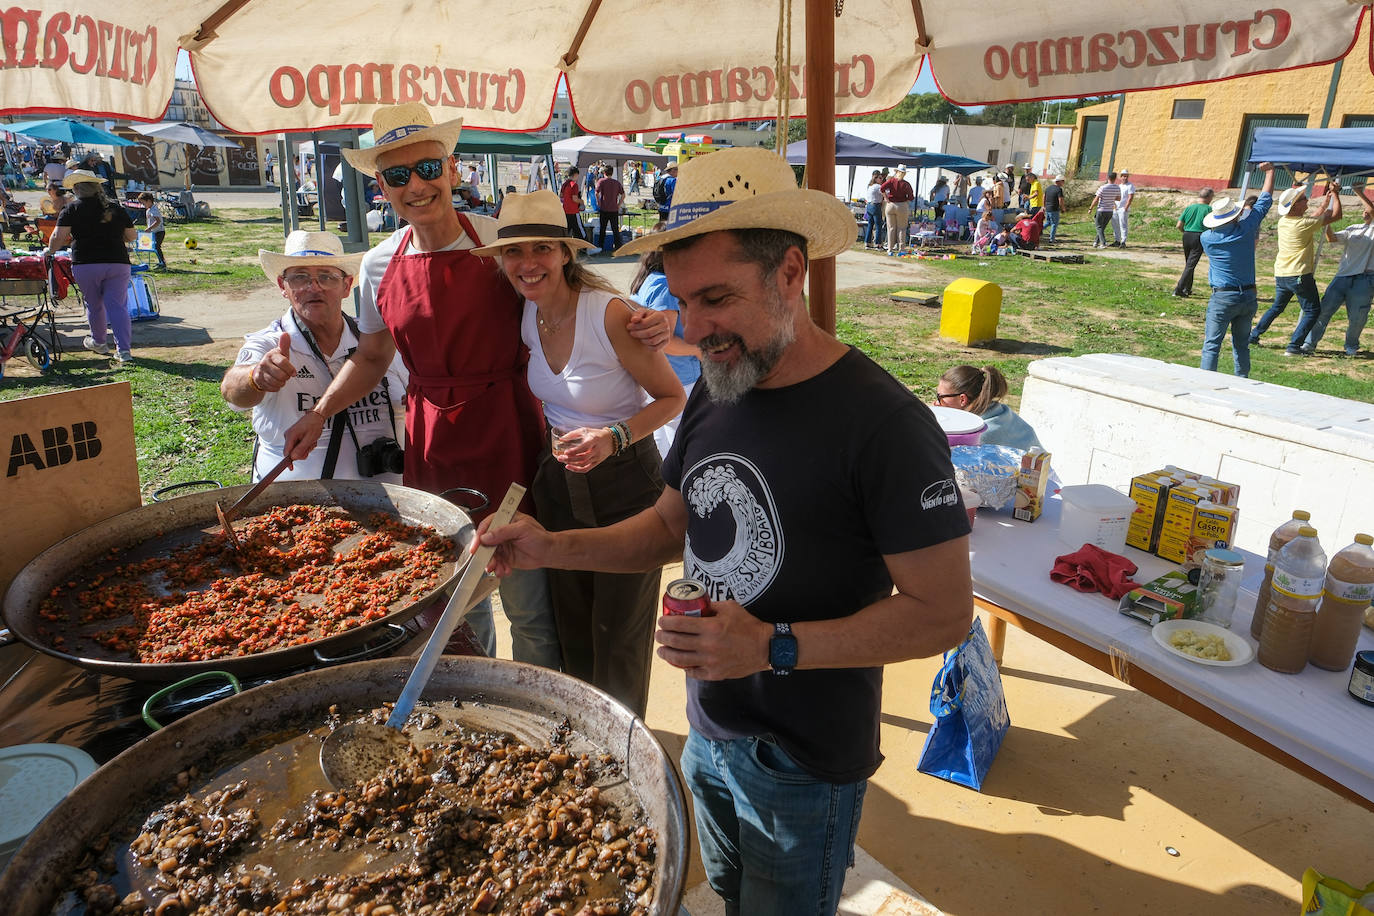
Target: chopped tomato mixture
x=301, y=573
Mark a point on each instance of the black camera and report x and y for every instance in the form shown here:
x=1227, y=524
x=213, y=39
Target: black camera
x=383, y=456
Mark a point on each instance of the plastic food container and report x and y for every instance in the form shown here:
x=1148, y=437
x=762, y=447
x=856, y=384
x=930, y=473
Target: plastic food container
x=960, y=426
x=1095, y=514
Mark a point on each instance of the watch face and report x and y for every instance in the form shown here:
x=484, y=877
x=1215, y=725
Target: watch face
x=782, y=652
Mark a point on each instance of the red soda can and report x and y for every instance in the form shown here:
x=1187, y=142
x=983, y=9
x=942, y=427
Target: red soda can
x=686, y=598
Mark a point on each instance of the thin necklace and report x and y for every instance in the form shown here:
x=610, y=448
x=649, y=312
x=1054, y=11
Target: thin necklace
x=549, y=327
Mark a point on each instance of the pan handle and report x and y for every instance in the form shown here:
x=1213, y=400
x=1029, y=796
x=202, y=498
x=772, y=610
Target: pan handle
x=153, y=700
x=481, y=499
x=160, y=494
x=399, y=634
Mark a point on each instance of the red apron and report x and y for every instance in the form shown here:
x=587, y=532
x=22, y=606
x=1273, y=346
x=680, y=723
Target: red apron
x=471, y=420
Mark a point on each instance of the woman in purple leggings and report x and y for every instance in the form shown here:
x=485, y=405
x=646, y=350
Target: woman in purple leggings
x=98, y=230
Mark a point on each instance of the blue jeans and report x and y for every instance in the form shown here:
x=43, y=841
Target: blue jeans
x=1052, y=222
x=873, y=232
x=775, y=841
x=1233, y=310
x=1285, y=288
x=1355, y=292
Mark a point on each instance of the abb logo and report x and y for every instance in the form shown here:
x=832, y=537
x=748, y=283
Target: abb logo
x=60, y=447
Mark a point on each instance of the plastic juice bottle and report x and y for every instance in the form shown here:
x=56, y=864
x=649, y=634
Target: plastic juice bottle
x=1281, y=536
x=1348, y=591
x=1295, y=592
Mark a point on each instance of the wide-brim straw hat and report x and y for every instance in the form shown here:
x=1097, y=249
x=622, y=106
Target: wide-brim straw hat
x=1288, y=198
x=1224, y=210
x=307, y=248
x=534, y=217
x=81, y=175
x=750, y=188
x=394, y=126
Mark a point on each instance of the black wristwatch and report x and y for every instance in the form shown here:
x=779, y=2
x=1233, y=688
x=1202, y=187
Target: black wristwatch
x=782, y=649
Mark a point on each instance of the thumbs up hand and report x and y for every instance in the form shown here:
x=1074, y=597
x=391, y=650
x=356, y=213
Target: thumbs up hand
x=275, y=368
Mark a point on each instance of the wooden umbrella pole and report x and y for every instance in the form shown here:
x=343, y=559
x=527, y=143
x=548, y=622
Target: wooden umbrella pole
x=820, y=141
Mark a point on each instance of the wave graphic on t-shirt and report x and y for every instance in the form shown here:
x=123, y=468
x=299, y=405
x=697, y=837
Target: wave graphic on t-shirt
x=734, y=543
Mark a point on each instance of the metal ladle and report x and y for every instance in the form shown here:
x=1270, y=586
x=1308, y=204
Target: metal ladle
x=357, y=751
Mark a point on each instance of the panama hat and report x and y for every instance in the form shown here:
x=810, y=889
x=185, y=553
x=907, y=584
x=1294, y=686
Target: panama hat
x=402, y=125
x=76, y=177
x=1288, y=198
x=1224, y=209
x=750, y=188
x=534, y=217
x=306, y=248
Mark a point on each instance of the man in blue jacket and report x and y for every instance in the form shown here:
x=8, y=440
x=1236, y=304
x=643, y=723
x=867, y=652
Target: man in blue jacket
x=1229, y=242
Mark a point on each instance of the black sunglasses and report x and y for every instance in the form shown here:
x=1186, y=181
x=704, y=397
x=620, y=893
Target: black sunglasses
x=398, y=176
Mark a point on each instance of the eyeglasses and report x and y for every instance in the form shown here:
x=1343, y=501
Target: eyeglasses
x=940, y=398
x=325, y=281
x=398, y=176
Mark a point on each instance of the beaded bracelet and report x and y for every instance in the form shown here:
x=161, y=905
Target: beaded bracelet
x=616, y=444
x=625, y=431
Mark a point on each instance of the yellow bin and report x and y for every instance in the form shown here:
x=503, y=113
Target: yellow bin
x=970, y=311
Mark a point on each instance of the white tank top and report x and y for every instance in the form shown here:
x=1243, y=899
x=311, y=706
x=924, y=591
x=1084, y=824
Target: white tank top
x=593, y=389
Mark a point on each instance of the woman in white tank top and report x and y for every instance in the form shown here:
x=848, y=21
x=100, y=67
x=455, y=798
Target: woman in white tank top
x=604, y=395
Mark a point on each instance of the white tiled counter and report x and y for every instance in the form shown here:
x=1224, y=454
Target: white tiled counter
x=1106, y=417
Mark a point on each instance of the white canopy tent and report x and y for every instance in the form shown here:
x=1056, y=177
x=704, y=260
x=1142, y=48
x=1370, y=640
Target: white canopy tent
x=583, y=151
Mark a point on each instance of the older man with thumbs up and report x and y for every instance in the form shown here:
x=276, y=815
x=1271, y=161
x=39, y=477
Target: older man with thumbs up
x=284, y=369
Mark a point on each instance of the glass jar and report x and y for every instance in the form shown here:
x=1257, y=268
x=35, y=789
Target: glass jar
x=1219, y=586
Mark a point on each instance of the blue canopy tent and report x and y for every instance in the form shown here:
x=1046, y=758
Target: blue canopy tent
x=1337, y=152
x=853, y=151
x=1334, y=151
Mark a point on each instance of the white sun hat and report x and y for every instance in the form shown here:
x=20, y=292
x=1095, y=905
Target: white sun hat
x=306, y=248
x=750, y=188
x=534, y=217
x=1288, y=198
x=1224, y=210
x=402, y=125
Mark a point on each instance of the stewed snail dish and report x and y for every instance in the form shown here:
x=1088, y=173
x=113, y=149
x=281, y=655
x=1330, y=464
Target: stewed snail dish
x=474, y=820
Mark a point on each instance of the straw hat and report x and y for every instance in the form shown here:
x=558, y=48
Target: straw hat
x=76, y=177
x=534, y=217
x=750, y=188
x=1288, y=198
x=402, y=125
x=1224, y=210
x=306, y=248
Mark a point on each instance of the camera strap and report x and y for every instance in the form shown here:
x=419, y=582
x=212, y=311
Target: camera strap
x=331, y=452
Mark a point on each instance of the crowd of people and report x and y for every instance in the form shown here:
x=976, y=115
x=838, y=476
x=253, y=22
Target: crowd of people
x=644, y=424
x=1227, y=231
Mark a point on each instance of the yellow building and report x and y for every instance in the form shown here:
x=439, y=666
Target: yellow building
x=1199, y=136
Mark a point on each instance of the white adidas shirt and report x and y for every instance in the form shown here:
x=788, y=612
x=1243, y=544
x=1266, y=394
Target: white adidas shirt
x=279, y=410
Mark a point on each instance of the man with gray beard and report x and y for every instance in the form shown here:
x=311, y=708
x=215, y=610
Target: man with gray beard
x=803, y=485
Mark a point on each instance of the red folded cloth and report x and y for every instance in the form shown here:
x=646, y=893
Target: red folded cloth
x=1092, y=569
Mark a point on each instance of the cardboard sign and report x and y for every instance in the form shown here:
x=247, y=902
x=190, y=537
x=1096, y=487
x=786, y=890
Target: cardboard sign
x=69, y=462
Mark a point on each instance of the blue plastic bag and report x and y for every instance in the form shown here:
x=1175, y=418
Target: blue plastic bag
x=970, y=712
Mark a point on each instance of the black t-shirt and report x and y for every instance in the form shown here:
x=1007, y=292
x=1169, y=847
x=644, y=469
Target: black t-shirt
x=793, y=497
x=1054, y=198
x=95, y=239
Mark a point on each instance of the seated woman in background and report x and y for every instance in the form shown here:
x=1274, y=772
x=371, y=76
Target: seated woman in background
x=980, y=391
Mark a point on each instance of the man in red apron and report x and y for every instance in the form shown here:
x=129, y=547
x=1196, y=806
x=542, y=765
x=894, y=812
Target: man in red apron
x=470, y=418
